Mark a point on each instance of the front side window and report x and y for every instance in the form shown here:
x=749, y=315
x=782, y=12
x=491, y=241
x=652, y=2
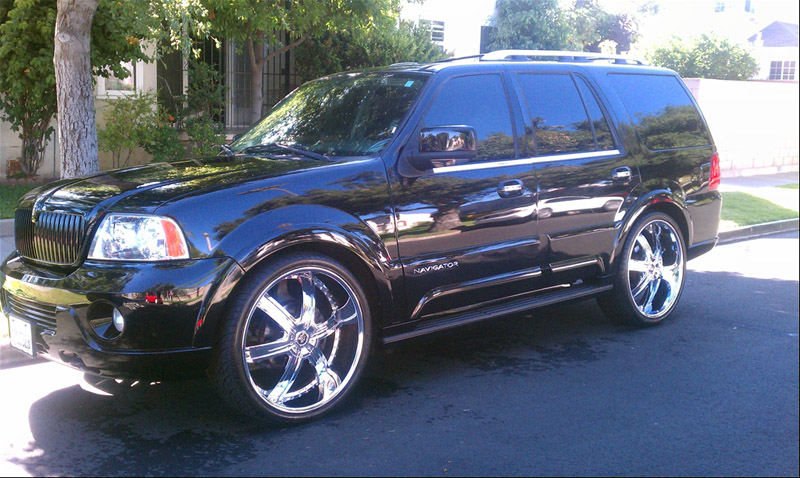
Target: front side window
x=478, y=101
x=347, y=115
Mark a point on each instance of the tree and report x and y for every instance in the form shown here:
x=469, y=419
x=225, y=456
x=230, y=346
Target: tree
x=256, y=25
x=529, y=25
x=27, y=73
x=544, y=25
x=705, y=56
x=72, y=60
x=364, y=48
x=27, y=92
x=593, y=25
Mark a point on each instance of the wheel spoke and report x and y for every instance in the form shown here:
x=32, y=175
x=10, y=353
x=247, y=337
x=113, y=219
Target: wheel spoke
x=341, y=316
x=256, y=353
x=658, y=250
x=637, y=266
x=309, y=297
x=645, y=246
x=287, y=379
x=648, y=305
x=276, y=312
x=641, y=287
x=327, y=379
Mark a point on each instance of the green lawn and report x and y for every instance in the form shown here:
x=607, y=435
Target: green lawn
x=745, y=209
x=789, y=186
x=9, y=194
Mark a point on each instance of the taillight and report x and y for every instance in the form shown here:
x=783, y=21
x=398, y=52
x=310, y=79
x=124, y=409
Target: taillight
x=715, y=175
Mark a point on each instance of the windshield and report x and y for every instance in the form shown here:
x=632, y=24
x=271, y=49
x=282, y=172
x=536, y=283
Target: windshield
x=348, y=115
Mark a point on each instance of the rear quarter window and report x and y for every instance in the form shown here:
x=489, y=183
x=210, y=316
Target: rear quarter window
x=662, y=111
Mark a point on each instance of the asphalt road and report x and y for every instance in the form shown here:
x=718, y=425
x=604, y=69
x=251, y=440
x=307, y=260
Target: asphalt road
x=560, y=392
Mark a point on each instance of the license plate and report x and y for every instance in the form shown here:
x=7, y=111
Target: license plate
x=21, y=333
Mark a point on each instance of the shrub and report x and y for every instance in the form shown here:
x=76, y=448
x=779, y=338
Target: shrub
x=705, y=56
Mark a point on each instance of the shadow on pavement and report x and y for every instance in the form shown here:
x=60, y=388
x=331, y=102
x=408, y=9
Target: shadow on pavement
x=183, y=428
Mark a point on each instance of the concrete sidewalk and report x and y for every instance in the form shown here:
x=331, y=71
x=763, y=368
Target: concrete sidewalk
x=762, y=186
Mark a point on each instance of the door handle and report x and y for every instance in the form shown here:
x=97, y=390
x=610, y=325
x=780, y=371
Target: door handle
x=510, y=188
x=621, y=174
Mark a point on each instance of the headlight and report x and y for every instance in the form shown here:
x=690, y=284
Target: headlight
x=138, y=238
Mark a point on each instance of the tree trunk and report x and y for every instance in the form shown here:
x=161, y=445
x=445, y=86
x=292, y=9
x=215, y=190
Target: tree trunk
x=74, y=88
x=255, y=52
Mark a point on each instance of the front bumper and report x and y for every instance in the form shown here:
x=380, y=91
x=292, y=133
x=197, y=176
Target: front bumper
x=168, y=309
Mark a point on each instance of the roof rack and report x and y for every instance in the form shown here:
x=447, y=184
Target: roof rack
x=554, y=55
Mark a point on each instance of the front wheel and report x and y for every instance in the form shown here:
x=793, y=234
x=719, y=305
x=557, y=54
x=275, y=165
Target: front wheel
x=650, y=278
x=296, y=340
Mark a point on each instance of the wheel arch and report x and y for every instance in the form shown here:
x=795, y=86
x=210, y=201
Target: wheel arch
x=323, y=230
x=663, y=200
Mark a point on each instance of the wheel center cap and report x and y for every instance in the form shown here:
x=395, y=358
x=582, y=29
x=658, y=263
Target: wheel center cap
x=301, y=338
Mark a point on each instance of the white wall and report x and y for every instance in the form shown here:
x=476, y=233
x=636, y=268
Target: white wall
x=462, y=21
x=768, y=55
x=10, y=144
x=754, y=123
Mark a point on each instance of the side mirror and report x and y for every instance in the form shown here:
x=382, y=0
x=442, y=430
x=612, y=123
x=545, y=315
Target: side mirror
x=444, y=146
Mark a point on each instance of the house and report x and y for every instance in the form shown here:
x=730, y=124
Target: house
x=168, y=78
x=776, y=46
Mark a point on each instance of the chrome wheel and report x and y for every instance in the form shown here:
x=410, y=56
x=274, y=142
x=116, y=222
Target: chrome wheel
x=655, y=269
x=303, y=338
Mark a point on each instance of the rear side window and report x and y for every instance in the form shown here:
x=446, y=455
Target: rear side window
x=561, y=123
x=661, y=110
x=479, y=101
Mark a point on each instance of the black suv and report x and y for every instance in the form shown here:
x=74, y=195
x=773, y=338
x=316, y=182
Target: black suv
x=372, y=207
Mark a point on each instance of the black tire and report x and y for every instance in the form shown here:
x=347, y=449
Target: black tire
x=648, y=284
x=299, y=359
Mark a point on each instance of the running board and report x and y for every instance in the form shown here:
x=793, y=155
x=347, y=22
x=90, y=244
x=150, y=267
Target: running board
x=490, y=312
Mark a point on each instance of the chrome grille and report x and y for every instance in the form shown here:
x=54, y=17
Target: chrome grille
x=43, y=315
x=55, y=237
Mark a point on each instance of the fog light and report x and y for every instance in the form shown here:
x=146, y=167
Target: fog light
x=119, y=321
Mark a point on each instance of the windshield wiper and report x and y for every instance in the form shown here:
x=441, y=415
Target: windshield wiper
x=261, y=148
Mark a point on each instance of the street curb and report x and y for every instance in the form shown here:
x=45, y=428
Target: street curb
x=756, y=230
x=6, y=227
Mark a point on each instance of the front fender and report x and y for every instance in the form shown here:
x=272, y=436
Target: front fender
x=306, y=225
x=267, y=233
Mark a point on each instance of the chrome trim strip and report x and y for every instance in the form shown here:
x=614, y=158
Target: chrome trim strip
x=576, y=265
x=475, y=284
x=524, y=161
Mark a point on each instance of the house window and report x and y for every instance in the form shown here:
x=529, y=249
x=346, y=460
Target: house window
x=436, y=27
x=748, y=6
x=782, y=70
x=113, y=86
x=719, y=6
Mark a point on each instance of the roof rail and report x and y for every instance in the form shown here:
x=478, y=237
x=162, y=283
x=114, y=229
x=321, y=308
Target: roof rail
x=554, y=55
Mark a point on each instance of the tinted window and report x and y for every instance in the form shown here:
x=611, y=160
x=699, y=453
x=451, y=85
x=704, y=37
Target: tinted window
x=599, y=123
x=478, y=101
x=560, y=123
x=347, y=115
x=662, y=111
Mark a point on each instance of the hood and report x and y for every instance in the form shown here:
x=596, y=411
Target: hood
x=147, y=187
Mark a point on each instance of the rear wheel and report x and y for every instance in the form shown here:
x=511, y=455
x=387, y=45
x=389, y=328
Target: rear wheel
x=651, y=275
x=296, y=341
